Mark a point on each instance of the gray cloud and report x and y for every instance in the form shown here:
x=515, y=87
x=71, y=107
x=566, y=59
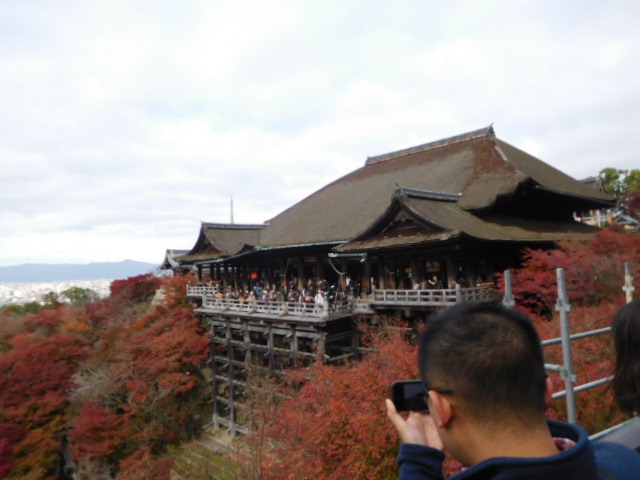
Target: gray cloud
x=126, y=123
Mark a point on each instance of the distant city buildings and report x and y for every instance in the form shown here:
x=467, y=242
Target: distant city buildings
x=21, y=293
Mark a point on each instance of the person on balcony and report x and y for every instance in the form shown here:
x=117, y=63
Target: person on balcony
x=462, y=280
x=487, y=392
x=434, y=282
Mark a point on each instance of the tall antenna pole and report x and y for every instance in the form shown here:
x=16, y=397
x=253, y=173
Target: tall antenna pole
x=231, y=209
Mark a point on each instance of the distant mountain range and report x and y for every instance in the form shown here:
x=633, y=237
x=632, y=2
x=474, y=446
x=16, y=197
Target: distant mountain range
x=47, y=272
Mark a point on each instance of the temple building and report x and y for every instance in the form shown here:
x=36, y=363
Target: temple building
x=458, y=208
x=408, y=232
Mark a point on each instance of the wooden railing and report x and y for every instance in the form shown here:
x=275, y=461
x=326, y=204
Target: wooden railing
x=201, y=290
x=291, y=310
x=431, y=298
x=338, y=309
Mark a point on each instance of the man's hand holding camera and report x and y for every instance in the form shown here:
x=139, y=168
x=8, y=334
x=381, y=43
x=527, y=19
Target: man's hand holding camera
x=418, y=428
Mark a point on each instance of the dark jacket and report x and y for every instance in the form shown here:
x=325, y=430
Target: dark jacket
x=616, y=462
x=418, y=462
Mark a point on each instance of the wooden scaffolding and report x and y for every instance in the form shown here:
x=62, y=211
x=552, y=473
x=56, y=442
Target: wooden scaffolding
x=267, y=346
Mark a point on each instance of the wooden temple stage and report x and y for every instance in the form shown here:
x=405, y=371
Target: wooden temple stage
x=266, y=338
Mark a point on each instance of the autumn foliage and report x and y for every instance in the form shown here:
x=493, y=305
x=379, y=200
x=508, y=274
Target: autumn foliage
x=119, y=378
x=594, y=274
x=334, y=425
x=119, y=381
x=38, y=364
x=594, y=271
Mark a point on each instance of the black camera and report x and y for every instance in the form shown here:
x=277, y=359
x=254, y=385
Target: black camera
x=409, y=395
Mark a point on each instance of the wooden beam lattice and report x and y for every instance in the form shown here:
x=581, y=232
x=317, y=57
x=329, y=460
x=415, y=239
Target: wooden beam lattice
x=266, y=347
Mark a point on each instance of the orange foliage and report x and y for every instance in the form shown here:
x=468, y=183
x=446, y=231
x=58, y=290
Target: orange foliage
x=34, y=388
x=6, y=462
x=594, y=271
x=155, y=385
x=135, y=289
x=138, y=388
x=97, y=432
x=334, y=426
x=592, y=360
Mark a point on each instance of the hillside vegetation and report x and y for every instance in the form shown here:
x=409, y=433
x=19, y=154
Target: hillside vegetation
x=116, y=380
x=120, y=383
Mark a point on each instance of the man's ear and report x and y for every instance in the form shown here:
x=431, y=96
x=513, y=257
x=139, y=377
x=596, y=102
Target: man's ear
x=441, y=403
x=548, y=393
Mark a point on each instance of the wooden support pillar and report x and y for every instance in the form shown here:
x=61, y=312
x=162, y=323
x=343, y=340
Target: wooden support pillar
x=225, y=275
x=451, y=271
x=366, y=276
x=381, y=274
x=294, y=342
x=270, y=350
x=282, y=266
x=319, y=272
x=199, y=267
x=416, y=275
x=230, y=387
x=400, y=274
x=244, y=275
x=343, y=278
x=215, y=391
x=302, y=281
x=234, y=272
x=321, y=339
x=355, y=344
x=247, y=343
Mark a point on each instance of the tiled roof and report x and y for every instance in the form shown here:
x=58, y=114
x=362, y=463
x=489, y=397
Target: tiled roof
x=459, y=181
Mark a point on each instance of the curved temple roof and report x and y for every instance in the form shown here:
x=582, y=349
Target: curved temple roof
x=476, y=166
x=475, y=171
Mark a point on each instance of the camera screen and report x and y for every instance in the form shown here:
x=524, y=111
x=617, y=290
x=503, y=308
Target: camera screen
x=414, y=397
x=408, y=395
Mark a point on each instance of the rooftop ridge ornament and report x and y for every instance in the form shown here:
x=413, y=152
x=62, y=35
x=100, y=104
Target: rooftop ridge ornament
x=486, y=132
x=407, y=192
x=233, y=226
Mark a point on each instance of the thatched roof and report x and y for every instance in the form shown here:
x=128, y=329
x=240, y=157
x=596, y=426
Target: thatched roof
x=217, y=240
x=171, y=258
x=485, y=185
x=414, y=219
x=478, y=167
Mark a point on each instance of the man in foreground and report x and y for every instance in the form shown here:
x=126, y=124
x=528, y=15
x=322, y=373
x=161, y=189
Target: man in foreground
x=487, y=392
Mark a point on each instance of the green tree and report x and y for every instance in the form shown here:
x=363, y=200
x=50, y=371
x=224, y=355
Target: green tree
x=618, y=182
x=51, y=300
x=633, y=180
x=79, y=296
x=29, y=307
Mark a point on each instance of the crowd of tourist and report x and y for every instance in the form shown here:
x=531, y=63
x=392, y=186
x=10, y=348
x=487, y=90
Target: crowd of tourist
x=315, y=292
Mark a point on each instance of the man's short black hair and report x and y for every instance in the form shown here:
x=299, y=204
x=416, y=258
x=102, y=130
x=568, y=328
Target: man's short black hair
x=490, y=356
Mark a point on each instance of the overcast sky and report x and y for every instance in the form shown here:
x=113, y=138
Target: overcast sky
x=123, y=124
